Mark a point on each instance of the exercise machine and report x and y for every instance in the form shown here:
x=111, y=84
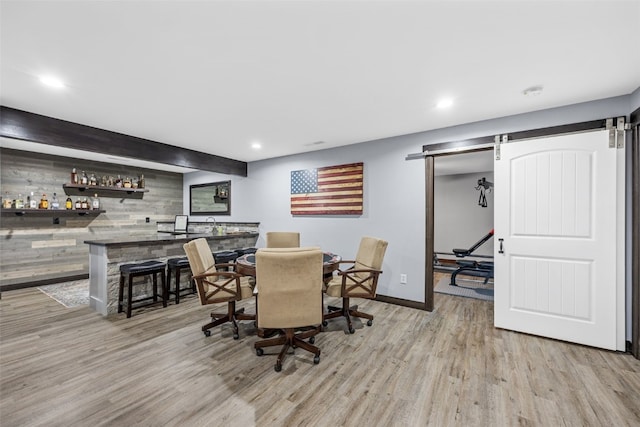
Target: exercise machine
x=473, y=268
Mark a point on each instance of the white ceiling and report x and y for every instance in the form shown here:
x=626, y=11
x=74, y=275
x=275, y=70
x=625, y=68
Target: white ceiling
x=216, y=76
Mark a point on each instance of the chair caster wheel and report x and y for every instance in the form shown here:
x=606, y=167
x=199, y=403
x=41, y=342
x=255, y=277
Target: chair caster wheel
x=236, y=336
x=207, y=333
x=351, y=330
x=259, y=351
x=325, y=323
x=370, y=322
x=316, y=360
x=312, y=340
x=278, y=367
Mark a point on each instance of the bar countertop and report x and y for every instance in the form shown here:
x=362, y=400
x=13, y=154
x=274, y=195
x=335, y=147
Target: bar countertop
x=166, y=237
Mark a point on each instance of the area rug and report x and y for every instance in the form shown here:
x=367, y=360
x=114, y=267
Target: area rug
x=466, y=288
x=69, y=294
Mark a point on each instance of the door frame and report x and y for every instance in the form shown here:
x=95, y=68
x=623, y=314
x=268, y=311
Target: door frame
x=430, y=152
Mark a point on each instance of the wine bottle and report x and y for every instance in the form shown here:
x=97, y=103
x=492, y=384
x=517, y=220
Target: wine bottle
x=68, y=204
x=74, y=176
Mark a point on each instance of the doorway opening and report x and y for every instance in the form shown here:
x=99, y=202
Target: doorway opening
x=463, y=224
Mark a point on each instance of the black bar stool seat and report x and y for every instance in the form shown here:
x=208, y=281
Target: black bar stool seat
x=225, y=257
x=148, y=268
x=244, y=251
x=176, y=265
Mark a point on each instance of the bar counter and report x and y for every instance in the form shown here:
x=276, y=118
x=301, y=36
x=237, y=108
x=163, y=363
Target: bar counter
x=106, y=256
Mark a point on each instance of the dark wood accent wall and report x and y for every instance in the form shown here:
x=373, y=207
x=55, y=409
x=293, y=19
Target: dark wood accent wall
x=635, y=233
x=35, y=250
x=32, y=127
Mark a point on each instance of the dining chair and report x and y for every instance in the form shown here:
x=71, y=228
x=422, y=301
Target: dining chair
x=360, y=280
x=215, y=284
x=283, y=239
x=289, y=298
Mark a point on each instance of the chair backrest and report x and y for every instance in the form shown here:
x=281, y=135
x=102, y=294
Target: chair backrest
x=370, y=256
x=371, y=253
x=199, y=255
x=283, y=239
x=215, y=287
x=289, y=284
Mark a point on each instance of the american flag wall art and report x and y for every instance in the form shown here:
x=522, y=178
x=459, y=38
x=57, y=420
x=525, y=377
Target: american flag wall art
x=332, y=190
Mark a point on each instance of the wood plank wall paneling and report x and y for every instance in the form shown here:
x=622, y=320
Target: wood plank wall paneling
x=34, y=249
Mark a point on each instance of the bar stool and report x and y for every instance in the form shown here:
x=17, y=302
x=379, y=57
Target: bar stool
x=142, y=269
x=225, y=257
x=244, y=251
x=176, y=265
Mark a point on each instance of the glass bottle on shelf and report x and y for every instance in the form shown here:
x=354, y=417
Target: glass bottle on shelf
x=68, y=204
x=84, y=204
x=95, y=202
x=19, y=202
x=141, y=181
x=78, y=203
x=93, y=180
x=85, y=179
x=44, y=203
x=118, y=182
x=7, y=201
x=74, y=176
x=127, y=182
x=55, y=204
x=31, y=202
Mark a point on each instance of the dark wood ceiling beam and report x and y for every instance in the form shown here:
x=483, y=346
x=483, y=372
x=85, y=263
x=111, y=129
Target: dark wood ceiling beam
x=23, y=125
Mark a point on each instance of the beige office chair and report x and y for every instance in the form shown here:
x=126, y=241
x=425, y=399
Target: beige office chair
x=360, y=280
x=289, y=298
x=283, y=239
x=217, y=285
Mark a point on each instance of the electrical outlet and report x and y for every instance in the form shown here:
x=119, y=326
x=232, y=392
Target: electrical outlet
x=403, y=279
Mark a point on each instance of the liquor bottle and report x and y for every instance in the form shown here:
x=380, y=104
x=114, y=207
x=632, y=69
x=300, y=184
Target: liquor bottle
x=85, y=179
x=55, y=204
x=118, y=182
x=19, y=202
x=141, y=181
x=93, y=180
x=7, y=201
x=78, y=204
x=68, y=204
x=84, y=204
x=44, y=203
x=74, y=176
x=95, y=202
x=127, y=182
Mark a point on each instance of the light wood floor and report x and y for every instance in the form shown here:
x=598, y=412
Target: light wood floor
x=71, y=367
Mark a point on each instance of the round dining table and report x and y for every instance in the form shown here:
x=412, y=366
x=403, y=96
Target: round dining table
x=246, y=264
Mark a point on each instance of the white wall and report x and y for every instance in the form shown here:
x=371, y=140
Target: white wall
x=459, y=221
x=394, y=195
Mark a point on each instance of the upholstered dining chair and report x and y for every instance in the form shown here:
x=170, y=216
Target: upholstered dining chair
x=289, y=298
x=360, y=280
x=215, y=284
x=283, y=239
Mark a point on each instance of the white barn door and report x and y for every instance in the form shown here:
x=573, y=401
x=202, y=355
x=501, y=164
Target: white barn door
x=556, y=239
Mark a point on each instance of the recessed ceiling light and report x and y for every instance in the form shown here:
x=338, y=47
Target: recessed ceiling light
x=532, y=91
x=445, y=103
x=256, y=146
x=52, y=81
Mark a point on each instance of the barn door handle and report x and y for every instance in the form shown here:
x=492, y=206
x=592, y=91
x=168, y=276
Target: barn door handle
x=501, y=250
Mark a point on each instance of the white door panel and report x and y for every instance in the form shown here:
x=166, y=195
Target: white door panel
x=555, y=220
